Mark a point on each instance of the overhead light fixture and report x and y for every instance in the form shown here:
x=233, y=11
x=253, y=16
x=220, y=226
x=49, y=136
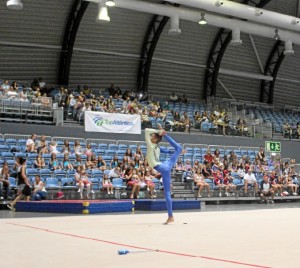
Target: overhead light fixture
x=202, y=21
x=236, y=38
x=276, y=36
x=288, y=48
x=102, y=13
x=219, y=3
x=14, y=4
x=174, y=26
x=110, y=3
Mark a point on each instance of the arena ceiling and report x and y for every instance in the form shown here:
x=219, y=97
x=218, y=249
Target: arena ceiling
x=60, y=41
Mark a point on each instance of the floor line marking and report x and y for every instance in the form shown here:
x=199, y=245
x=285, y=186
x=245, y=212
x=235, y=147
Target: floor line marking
x=138, y=247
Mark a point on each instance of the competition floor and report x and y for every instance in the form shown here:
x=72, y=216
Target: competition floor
x=217, y=236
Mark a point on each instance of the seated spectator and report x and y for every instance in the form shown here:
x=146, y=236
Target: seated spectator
x=101, y=164
x=83, y=181
x=106, y=184
x=39, y=162
x=66, y=164
x=30, y=144
x=183, y=99
x=180, y=166
x=115, y=173
x=150, y=185
x=77, y=148
x=146, y=123
x=208, y=157
x=249, y=179
x=23, y=94
x=4, y=87
x=218, y=181
x=90, y=164
x=228, y=182
x=42, y=146
x=276, y=187
x=291, y=185
x=200, y=182
x=136, y=162
x=135, y=183
x=39, y=191
x=287, y=130
x=114, y=162
x=261, y=154
x=173, y=97
x=138, y=152
x=78, y=162
x=88, y=150
x=266, y=190
x=66, y=149
x=4, y=182
x=54, y=164
x=53, y=148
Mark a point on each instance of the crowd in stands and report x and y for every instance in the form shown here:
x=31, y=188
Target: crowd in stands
x=223, y=171
x=175, y=113
x=228, y=171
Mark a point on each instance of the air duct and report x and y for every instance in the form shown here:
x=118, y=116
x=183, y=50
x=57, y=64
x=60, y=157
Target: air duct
x=235, y=9
x=213, y=20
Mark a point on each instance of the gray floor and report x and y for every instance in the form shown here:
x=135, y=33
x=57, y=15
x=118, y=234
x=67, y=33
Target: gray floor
x=7, y=214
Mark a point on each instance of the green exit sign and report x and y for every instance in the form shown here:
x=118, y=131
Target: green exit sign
x=273, y=146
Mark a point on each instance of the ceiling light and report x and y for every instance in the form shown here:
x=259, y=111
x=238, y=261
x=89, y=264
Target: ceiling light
x=276, y=36
x=110, y=3
x=102, y=13
x=14, y=4
x=202, y=21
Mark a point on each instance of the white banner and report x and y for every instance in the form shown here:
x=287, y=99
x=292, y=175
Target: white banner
x=112, y=122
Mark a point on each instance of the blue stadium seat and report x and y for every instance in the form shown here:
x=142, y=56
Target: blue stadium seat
x=103, y=146
x=59, y=174
x=12, y=183
x=68, y=184
x=4, y=148
x=31, y=172
x=7, y=156
x=45, y=173
x=52, y=184
x=11, y=142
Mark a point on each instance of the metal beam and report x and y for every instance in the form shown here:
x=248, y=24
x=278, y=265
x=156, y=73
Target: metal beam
x=78, y=9
x=151, y=39
x=272, y=67
x=216, y=54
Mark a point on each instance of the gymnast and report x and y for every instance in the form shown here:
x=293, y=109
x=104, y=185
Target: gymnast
x=153, y=137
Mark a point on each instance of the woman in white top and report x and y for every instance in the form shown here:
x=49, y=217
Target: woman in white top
x=200, y=182
x=39, y=192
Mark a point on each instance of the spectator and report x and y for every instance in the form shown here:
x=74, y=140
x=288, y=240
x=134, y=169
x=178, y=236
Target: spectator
x=4, y=181
x=249, y=179
x=291, y=185
x=261, y=154
x=115, y=173
x=101, y=164
x=53, y=148
x=106, y=184
x=77, y=148
x=200, y=182
x=54, y=164
x=90, y=164
x=266, y=190
x=66, y=149
x=78, y=162
x=88, y=150
x=218, y=182
x=66, y=164
x=83, y=181
x=135, y=183
x=39, y=192
x=228, y=182
x=30, y=144
x=150, y=185
x=173, y=97
x=42, y=146
x=114, y=162
x=39, y=162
